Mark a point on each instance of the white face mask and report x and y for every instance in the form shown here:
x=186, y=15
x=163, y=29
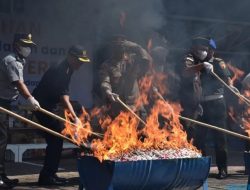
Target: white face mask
x=25, y=51
x=201, y=54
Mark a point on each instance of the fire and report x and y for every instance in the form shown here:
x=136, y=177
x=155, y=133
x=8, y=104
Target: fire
x=237, y=72
x=245, y=121
x=232, y=114
x=120, y=137
x=145, y=85
x=78, y=133
x=170, y=135
x=103, y=119
x=125, y=133
x=122, y=20
x=123, y=137
x=160, y=82
x=150, y=45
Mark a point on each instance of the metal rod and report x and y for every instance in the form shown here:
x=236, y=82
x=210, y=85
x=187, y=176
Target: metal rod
x=36, y=125
x=64, y=120
x=205, y=124
x=67, y=121
x=246, y=100
x=130, y=110
x=216, y=128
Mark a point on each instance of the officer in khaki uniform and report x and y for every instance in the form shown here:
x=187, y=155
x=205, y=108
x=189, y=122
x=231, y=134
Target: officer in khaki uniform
x=209, y=93
x=11, y=84
x=119, y=75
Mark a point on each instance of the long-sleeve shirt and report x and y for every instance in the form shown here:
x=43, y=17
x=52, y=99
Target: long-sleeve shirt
x=121, y=77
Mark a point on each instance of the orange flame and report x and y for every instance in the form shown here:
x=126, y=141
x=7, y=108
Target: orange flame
x=79, y=133
x=237, y=72
x=246, y=113
x=232, y=114
x=150, y=45
x=122, y=20
x=122, y=134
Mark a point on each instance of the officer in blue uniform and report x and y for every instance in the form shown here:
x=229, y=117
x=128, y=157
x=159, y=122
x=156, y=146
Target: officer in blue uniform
x=209, y=95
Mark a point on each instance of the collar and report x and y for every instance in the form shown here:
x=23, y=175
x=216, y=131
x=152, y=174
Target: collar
x=211, y=60
x=68, y=69
x=18, y=58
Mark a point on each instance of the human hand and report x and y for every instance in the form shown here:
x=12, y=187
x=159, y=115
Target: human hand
x=208, y=67
x=113, y=97
x=32, y=104
x=77, y=122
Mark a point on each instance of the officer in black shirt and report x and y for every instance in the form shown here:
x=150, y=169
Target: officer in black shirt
x=52, y=89
x=209, y=93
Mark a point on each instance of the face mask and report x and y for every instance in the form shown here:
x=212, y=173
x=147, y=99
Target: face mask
x=25, y=51
x=201, y=54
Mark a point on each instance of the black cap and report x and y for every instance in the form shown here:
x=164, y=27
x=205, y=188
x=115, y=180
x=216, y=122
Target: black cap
x=79, y=52
x=205, y=41
x=24, y=39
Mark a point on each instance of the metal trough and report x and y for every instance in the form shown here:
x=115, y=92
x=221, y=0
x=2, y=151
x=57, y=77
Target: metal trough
x=185, y=174
x=247, y=167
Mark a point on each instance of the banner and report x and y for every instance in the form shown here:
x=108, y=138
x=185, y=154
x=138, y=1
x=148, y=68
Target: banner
x=49, y=51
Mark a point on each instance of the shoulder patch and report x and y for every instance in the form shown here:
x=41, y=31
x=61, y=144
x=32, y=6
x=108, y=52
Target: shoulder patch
x=189, y=59
x=222, y=64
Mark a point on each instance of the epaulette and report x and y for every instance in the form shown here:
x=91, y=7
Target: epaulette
x=218, y=59
x=189, y=57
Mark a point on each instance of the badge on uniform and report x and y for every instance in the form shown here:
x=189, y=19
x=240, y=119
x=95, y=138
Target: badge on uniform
x=223, y=65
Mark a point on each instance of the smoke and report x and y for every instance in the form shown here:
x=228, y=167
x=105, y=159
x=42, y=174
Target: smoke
x=227, y=21
x=140, y=19
x=94, y=21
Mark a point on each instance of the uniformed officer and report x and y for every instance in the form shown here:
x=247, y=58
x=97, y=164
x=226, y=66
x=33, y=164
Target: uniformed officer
x=11, y=84
x=52, y=89
x=209, y=93
x=244, y=119
x=120, y=73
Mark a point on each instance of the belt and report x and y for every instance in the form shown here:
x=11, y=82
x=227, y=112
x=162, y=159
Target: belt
x=212, y=97
x=5, y=100
x=5, y=103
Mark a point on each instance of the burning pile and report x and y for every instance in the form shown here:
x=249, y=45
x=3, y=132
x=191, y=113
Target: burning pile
x=245, y=120
x=157, y=140
x=157, y=154
x=125, y=140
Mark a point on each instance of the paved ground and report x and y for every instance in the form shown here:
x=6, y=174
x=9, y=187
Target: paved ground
x=27, y=173
x=236, y=180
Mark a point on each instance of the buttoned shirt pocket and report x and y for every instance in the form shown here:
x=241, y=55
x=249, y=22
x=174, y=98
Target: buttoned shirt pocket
x=115, y=75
